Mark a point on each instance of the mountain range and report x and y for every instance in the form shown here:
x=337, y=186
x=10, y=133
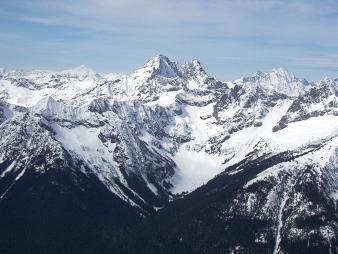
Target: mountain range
x=167, y=160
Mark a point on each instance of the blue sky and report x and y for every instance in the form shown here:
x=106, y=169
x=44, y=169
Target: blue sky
x=230, y=38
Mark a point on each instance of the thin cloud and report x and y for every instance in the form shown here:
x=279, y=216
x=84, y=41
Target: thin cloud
x=42, y=21
x=320, y=61
x=268, y=18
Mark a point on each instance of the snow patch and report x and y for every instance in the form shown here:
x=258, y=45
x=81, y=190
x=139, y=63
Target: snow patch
x=8, y=169
x=166, y=99
x=194, y=169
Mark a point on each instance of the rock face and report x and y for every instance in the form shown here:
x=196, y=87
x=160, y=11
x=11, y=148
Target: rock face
x=260, y=152
x=319, y=100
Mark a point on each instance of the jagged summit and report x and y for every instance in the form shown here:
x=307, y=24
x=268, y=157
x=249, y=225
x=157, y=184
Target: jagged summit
x=158, y=61
x=194, y=69
x=283, y=72
x=276, y=74
x=162, y=66
x=159, y=65
x=78, y=69
x=279, y=79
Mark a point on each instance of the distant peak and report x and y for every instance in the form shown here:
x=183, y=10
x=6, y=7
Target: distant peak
x=196, y=62
x=159, y=65
x=157, y=61
x=82, y=67
x=282, y=71
x=279, y=80
x=160, y=56
x=259, y=73
x=81, y=71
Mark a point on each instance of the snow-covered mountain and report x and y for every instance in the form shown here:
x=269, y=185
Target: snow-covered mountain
x=168, y=129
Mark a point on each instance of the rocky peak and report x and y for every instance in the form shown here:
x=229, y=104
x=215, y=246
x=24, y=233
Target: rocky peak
x=193, y=70
x=279, y=80
x=282, y=73
x=160, y=65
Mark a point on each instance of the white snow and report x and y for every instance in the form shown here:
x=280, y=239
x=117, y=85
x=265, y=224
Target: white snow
x=20, y=174
x=150, y=186
x=296, y=134
x=194, y=169
x=21, y=95
x=303, y=132
x=317, y=158
x=74, y=83
x=85, y=143
x=166, y=99
x=8, y=169
x=243, y=141
x=194, y=166
x=202, y=130
x=192, y=84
